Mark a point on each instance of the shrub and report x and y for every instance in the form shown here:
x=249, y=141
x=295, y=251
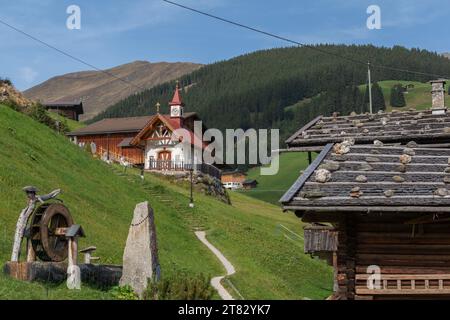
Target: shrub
x=12, y=105
x=5, y=81
x=180, y=287
x=38, y=113
x=124, y=293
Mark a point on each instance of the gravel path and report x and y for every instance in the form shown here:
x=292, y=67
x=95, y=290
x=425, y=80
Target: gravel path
x=215, y=282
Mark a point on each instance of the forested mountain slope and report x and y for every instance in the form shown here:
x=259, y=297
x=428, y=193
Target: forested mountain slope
x=253, y=90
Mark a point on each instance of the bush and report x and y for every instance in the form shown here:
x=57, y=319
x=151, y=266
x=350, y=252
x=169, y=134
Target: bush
x=5, y=81
x=38, y=113
x=180, y=287
x=124, y=293
x=12, y=105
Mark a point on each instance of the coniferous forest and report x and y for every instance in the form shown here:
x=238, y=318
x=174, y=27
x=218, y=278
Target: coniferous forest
x=254, y=90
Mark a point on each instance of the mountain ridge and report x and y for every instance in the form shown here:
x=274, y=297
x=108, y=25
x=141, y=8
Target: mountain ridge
x=98, y=90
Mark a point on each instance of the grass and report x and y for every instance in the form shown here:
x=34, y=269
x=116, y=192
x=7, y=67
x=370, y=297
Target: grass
x=268, y=258
x=71, y=124
x=272, y=188
x=418, y=97
x=270, y=264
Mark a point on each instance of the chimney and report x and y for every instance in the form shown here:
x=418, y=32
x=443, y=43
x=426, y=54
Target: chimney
x=438, y=97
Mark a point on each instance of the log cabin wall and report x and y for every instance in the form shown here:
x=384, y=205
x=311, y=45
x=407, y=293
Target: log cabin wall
x=414, y=260
x=110, y=142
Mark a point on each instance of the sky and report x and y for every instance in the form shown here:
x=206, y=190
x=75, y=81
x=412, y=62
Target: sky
x=115, y=32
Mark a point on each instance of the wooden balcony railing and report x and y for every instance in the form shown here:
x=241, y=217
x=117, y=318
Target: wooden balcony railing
x=169, y=165
x=399, y=284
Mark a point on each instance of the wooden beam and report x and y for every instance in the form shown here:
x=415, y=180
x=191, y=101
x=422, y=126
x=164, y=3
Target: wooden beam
x=364, y=209
x=303, y=149
x=305, y=176
x=305, y=127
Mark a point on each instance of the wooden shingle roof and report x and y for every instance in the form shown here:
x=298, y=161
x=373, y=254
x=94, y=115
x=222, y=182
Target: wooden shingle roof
x=394, y=127
x=119, y=125
x=373, y=178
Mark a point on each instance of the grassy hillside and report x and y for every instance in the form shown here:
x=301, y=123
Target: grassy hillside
x=269, y=264
x=271, y=188
x=71, y=124
x=418, y=97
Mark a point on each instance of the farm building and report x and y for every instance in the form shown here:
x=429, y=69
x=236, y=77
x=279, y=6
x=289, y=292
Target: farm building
x=389, y=208
x=154, y=142
x=249, y=184
x=69, y=109
x=233, y=179
x=377, y=201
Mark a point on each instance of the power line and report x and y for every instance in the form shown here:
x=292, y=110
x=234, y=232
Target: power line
x=238, y=24
x=69, y=55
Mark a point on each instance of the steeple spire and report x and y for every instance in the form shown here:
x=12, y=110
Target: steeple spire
x=158, y=105
x=176, y=100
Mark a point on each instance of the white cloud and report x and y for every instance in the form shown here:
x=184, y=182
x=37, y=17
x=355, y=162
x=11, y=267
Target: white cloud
x=28, y=74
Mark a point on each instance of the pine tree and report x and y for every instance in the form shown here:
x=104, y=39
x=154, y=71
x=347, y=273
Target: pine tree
x=397, y=96
x=378, y=102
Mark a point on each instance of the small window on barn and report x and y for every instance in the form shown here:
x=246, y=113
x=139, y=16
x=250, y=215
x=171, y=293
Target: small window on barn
x=320, y=239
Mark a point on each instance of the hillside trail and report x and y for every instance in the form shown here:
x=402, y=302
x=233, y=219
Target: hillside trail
x=194, y=221
x=216, y=282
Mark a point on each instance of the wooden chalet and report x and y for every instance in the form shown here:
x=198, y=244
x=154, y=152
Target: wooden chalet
x=147, y=141
x=379, y=213
x=233, y=179
x=69, y=109
x=367, y=208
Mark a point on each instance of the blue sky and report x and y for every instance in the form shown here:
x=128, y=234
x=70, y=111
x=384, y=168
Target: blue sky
x=118, y=31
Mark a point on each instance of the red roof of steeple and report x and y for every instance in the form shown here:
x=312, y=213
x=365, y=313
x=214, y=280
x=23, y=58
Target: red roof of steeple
x=176, y=100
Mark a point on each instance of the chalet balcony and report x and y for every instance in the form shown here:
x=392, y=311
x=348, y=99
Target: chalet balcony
x=180, y=166
x=400, y=284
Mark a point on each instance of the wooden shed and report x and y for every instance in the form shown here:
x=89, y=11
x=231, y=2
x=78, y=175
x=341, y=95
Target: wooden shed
x=388, y=207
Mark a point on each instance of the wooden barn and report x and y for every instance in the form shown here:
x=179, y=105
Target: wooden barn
x=69, y=109
x=377, y=201
x=112, y=136
x=378, y=211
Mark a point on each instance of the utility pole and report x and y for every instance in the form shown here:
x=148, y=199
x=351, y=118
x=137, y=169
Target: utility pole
x=370, y=87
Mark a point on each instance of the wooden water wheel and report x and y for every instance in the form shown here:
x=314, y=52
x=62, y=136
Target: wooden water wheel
x=47, y=231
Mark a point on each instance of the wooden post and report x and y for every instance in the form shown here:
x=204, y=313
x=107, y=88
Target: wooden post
x=335, y=273
x=73, y=270
x=31, y=255
x=309, y=157
x=21, y=225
